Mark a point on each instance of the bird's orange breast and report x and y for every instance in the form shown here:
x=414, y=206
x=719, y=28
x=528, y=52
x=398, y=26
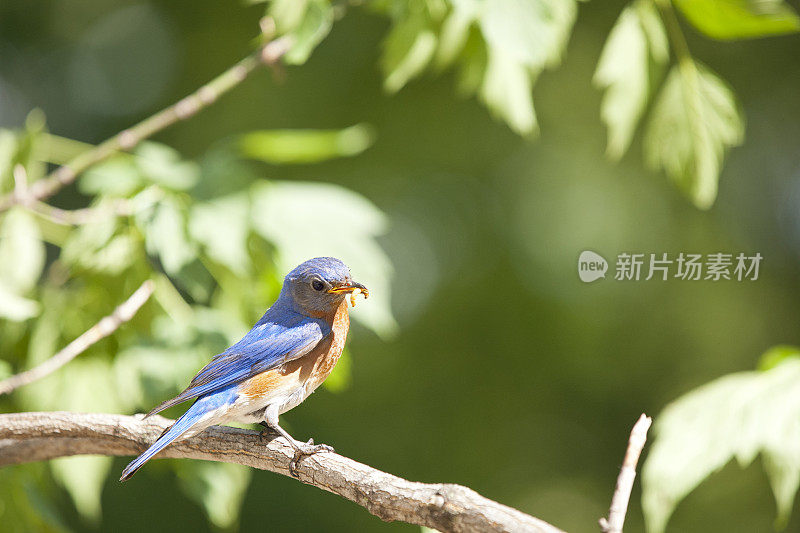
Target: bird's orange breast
x=308, y=371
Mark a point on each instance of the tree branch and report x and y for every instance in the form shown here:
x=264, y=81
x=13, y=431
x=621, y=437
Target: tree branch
x=269, y=54
x=105, y=327
x=627, y=474
x=74, y=217
x=28, y=437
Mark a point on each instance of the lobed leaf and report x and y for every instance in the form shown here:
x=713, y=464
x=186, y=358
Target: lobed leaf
x=307, y=22
x=637, y=40
x=695, y=120
x=734, y=417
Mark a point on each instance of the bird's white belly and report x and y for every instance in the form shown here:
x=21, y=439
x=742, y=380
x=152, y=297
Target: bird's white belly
x=250, y=410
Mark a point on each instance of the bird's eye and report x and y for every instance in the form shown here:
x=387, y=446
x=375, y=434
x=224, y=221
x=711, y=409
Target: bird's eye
x=318, y=285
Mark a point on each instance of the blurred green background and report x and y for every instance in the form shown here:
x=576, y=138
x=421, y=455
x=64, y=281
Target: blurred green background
x=507, y=373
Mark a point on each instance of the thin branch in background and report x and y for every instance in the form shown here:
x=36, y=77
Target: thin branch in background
x=73, y=217
x=105, y=327
x=269, y=54
x=27, y=437
x=627, y=474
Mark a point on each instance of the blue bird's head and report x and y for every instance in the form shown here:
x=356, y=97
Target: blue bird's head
x=317, y=287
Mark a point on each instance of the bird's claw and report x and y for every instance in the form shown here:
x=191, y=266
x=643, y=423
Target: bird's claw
x=303, y=450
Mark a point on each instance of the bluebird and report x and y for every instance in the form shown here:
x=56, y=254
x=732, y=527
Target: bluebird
x=275, y=366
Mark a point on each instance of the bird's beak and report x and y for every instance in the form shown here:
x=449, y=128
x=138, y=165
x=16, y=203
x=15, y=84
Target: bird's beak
x=350, y=288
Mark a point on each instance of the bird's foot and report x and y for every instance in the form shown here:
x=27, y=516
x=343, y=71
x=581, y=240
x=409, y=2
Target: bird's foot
x=303, y=450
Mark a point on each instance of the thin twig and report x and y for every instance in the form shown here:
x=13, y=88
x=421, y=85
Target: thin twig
x=269, y=54
x=67, y=217
x=102, y=329
x=27, y=437
x=627, y=474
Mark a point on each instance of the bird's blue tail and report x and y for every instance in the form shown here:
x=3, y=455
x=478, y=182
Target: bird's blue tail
x=192, y=416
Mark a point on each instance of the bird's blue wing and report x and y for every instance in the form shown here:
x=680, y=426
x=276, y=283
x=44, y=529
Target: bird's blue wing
x=268, y=345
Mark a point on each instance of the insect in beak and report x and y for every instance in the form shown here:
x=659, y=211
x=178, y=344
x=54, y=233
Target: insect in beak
x=353, y=288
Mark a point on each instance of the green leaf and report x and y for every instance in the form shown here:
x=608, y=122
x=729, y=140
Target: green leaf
x=5, y=370
x=740, y=19
x=146, y=374
x=97, y=246
x=82, y=385
x=306, y=220
x=222, y=227
x=776, y=355
x=162, y=165
x=22, y=252
x=529, y=32
x=219, y=487
x=29, y=500
x=454, y=33
x=409, y=47
x=522, y=38
x=307, y=22
x=8, y=148
x=166, y=236
x=501, y=47
x=694, y=121
x=305, y=146
x=737, y=416
x=83, y=478
x=116, y=177
x=637, y=39
x=506, y=90
x=16, y=308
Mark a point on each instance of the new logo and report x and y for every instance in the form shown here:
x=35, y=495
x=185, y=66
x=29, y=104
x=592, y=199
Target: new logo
x=591, y=266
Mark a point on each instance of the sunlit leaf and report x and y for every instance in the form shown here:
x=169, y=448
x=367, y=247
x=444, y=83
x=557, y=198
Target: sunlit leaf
x=116, y=177
x=506, y=90
x=99, y=246
x=306, y=22
x=306, y=220
x=8, y=146
x=145, y=375
x=16, y=308
x=166, y=235
x=218, y=487
x=83, y=478
x=528, y=32
x=305, y=146
x=454, y=34
x=22, y=252
x=222, y=226
x=409, y=46
x=522, y=38
x=739, y=19
x=5, y=369
x=82, y=385
x=623, y=71
x=734, y=417
x=694, y=121
x=27, y=493
x=163, y=165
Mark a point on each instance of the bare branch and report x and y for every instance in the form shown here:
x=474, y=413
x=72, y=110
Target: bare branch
x=627, y=474
x=107, y=325
x=23, y=198
x=269, y=54
x=27, y=437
